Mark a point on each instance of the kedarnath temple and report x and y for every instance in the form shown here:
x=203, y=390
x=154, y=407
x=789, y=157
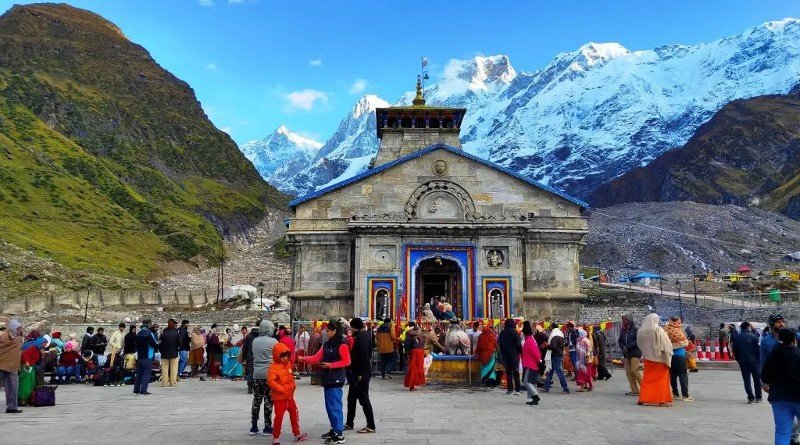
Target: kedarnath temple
x=429, y=221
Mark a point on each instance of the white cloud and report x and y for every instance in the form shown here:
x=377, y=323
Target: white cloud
x=235, y=1
x=227, y=129
x=315, y=62
x=205, y=3
x=211, y=66
x=305, y=99
x=358, y=86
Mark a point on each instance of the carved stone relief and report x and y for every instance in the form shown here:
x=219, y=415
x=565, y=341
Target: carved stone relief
x=440, y=200
x=496, y=257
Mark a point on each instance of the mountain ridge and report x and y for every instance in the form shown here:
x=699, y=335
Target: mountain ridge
x=591, y=114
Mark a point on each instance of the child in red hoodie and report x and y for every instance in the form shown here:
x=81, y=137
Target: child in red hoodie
x=281, y=384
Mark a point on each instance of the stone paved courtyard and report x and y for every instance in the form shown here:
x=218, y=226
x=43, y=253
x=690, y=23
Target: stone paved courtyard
x=218, y=413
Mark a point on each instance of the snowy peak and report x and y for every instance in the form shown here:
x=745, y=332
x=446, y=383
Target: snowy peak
x=782, y=25
x=296, y=139
x=480, y=71
x=592, y=54
x=366, y=105
x=280, y=147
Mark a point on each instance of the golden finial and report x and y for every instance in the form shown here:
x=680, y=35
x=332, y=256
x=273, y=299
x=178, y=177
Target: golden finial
x=419, y=100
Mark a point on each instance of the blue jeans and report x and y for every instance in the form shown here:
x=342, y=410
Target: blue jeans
x=558, y=367
x=183, y=359
x=751, y=371
x=573, y=357
x=67, y=371
x=530, y=378
x=784, y=414
x=333, y=406
x=144, y=367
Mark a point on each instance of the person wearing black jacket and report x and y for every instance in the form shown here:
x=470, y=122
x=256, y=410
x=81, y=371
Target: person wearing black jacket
x=247, y=355
x=746, y=350
x=599, y=345
x=129, y=342
x=510, y=350
x=631, y=353
x=146, y=347
x=169, y=344
x=358, y=374
x=781, y=378
x=184, y=345
x=98, y=342
x=87, y=339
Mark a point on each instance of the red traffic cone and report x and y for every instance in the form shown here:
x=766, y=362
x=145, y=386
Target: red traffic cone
x=701, y=354
x=715, y=354
x=725, y=355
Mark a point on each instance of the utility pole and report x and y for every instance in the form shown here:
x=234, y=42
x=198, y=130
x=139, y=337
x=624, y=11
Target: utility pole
x=86, y=310
x=694, y=282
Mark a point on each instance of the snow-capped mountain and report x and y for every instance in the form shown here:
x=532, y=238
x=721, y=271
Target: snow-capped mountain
x=280, y=151
x=588, y=115
x=347, y=152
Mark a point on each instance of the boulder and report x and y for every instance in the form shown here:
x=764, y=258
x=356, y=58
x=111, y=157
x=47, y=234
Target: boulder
x=240, y=290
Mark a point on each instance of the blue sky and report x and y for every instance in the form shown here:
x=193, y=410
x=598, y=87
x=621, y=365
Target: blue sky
x=257, y=64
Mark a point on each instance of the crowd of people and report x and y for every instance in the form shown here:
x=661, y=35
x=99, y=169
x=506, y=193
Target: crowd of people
x=340, y=352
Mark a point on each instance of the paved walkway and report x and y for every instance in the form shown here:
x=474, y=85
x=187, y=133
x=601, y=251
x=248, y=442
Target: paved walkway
x=219, y=413
x=688, y=297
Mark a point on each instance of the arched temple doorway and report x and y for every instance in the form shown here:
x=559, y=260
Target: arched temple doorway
x=440, y=277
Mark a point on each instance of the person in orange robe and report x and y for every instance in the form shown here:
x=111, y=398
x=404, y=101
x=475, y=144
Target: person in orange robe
x=657, y=354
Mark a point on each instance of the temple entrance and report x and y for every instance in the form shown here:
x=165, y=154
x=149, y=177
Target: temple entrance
x=440, y=278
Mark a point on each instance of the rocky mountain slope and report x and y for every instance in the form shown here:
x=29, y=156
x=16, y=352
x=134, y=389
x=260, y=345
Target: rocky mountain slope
x=591, y=114
x=672, y=236
x=108, y=164
x=747, y=154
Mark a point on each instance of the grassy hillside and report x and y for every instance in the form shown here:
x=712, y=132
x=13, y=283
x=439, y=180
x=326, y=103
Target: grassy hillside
x=107, y=162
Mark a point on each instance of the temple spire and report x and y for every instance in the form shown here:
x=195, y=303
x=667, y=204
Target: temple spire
x=419, y=100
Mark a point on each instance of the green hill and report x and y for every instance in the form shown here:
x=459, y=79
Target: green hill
x=108, y=164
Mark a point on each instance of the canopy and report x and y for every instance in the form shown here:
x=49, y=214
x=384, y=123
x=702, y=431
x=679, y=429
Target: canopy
x=641, y=276
x=743, y=269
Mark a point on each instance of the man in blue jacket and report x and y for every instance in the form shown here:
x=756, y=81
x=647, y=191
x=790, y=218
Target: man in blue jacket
x=630, y=353
x=746, y=350
x=146, y=347
x=768, y=344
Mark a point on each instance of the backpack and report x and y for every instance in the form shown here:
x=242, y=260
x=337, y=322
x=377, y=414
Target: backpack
x=102, y=377
x=129, y=362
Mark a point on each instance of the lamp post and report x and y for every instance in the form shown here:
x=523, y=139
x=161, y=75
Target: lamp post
x=680, y=301
x=694, y=283
x=261, y=294
x=86, y=310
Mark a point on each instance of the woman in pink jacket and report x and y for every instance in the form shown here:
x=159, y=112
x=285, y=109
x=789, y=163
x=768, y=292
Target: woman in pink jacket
x=531, y=357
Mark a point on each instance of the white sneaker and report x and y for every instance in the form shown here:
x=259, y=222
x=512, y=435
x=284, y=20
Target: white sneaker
x=517, y=393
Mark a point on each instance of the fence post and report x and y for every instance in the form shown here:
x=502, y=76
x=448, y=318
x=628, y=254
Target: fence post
x=191, y=298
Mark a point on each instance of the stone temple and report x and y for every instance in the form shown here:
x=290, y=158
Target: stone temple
x=430, y=220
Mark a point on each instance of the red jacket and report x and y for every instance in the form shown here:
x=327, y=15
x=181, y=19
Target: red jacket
x=69, y=358
x=280, y=377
